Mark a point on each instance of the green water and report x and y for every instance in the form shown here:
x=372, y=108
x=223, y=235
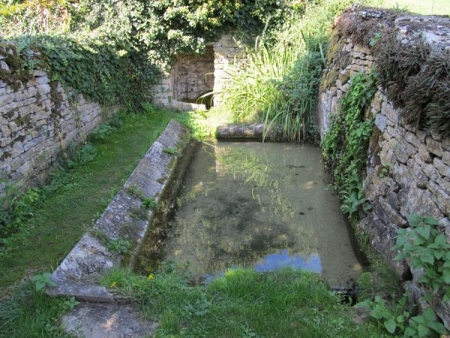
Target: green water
x=263, y=206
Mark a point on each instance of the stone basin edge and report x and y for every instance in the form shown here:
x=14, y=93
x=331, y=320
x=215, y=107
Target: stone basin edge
x=78, y=274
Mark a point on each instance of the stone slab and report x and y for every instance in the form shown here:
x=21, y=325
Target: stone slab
x=107, y=321
x=80, y=271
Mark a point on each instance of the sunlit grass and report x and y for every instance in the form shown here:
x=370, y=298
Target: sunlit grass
x=279, y=81
x=429, y=7
x=63, y=216
x=242, y=303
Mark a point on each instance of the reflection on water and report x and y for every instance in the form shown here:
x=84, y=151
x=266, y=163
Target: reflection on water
x=283, y=259
x=263, y=206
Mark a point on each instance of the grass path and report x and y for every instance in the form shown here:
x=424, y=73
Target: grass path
x=62, y=217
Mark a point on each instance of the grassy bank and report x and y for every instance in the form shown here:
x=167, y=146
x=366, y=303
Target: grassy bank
x=288, y=304
x=77, y=196
x=241, y=303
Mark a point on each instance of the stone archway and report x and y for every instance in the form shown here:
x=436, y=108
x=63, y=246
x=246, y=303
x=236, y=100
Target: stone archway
x=193, y=76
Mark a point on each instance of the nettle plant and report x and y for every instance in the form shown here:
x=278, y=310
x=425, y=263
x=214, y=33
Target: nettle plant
x=425, y=247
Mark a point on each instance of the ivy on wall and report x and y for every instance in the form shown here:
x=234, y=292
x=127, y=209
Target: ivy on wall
x=113, y=51
x=346, y=141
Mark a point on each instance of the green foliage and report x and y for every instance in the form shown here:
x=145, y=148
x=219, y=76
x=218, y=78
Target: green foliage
x=102, y=132
x=241, y=303
x=119, y=245
x=26, y=312
x=135, y=191
x=42, y=281
x=108, y=51
x=16, y=207
x=172, y=151
x=149, y=203
x=345, y=143
x=395, y=319
x=278, y=82
x=93, y=65
x=392, y=318
x=70, y=303
x=34, y=16
x=425, y=246
x=75, y=156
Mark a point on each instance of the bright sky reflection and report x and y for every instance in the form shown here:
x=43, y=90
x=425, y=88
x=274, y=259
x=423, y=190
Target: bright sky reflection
x=283, y=259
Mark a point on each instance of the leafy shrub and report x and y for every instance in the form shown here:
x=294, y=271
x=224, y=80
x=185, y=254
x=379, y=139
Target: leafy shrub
x=425, y=246
x=75, y=156
x=102, y=132
x=16, y=207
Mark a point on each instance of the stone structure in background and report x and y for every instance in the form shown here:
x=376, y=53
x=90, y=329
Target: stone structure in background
x=408, y=170
x=38, y=120
x=192, y=76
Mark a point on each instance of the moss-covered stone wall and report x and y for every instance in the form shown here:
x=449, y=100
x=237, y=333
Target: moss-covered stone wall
x=408, y=163
x=38, y=119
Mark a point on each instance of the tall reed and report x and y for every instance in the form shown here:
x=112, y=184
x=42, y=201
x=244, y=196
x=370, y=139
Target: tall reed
x=278, y=82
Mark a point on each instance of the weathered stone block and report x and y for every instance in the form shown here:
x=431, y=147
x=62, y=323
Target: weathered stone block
x=424, y=154
x=441, y=167
x=419, y=176
x=446, y=158
x=434, y=146
x=421, y=201
x=441, y=199
x=381, y=122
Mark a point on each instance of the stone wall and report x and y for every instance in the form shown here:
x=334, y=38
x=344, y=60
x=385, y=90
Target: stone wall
x=38, y=119
x=192, y=76
x=228, y=51
x=408, y=170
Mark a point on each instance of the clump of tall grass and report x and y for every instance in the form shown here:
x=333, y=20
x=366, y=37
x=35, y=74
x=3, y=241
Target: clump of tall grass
x=278, y=82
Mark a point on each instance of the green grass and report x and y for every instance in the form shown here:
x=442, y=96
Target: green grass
x=62, y=216
x=429, y=7
x=31, y=313
x=242, y=303
x=279, y=82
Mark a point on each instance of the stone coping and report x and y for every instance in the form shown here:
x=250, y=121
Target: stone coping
x=124, y=218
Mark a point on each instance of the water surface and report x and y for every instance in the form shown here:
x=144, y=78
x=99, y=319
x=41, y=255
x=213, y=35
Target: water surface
x=263, y=206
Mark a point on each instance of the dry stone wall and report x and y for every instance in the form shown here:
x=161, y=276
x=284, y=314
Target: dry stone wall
x=192, y=76
x=38, y=119
x=228, y=52
x=408, y=170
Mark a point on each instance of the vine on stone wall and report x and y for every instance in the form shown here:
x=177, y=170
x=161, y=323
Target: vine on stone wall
x=345, y=143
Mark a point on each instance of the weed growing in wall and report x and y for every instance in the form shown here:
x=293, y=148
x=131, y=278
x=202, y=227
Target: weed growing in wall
x=425, y=247
x=345, y=143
